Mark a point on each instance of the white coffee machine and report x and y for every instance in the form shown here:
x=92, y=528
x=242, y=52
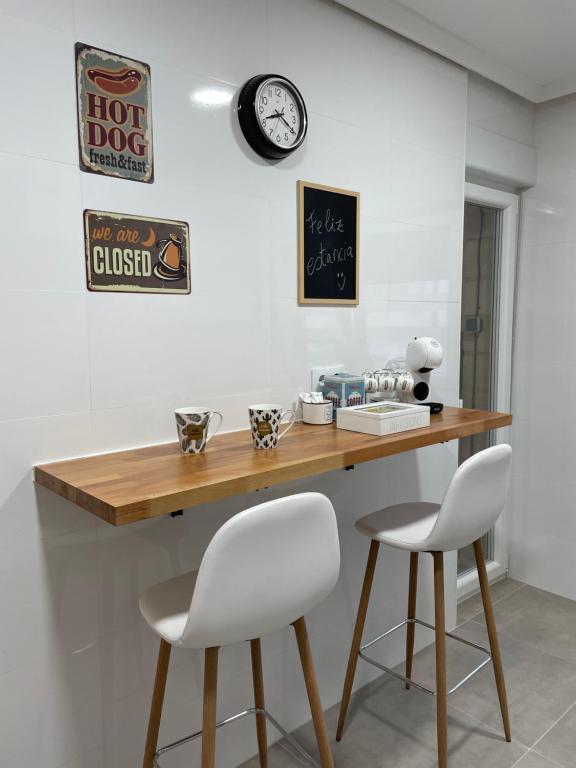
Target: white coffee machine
x=407, y=378
x=423, y=355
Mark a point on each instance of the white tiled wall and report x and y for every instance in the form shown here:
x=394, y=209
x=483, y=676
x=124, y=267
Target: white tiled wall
x=543, y=546
x=85, y=372
x=500, y=136
x=499, y=111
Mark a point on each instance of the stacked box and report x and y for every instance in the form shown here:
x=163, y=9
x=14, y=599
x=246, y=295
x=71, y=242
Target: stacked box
x=344, y=389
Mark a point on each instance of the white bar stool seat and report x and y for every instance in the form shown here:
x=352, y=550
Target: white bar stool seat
x=473, y=502
x=165, y=606
x=263, y=570
x=406, y=526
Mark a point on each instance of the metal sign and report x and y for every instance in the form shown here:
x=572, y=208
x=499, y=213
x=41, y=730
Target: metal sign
x=114, y=114
x=136, y=254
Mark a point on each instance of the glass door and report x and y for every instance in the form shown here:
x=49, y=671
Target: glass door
x=479, y=338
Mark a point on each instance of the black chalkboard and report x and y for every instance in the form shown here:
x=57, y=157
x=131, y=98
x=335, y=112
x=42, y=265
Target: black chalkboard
x=328, y=239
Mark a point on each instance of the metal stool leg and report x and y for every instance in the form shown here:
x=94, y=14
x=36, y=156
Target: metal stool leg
x=357, y=636
x=441, y=690
x=256, y=651
x=157, y=702
x=493, y=636
x=412, y=589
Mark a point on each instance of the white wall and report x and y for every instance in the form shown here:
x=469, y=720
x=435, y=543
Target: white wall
x=543, y=546
x=500, y=136
x=86, y=372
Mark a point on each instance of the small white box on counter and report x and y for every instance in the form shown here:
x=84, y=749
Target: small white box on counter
x=383, y=418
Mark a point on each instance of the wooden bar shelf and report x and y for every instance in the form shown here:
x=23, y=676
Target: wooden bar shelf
x=128, y=486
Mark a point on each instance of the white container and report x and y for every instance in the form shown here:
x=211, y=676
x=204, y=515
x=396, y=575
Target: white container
x=317, y=413
x=383, y=418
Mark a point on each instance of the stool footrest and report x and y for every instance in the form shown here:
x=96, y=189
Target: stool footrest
x=295, y=749
x=410, y=681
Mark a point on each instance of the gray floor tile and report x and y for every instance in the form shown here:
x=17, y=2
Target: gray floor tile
x=404, y=725
x=540, y=687
x=389, y=727
x=559, y=744
x=473, y=606
x=540, y=618
x=534, y=760
x=277, y=758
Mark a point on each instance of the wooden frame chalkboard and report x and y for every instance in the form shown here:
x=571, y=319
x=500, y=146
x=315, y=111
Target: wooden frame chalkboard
x=328, y=245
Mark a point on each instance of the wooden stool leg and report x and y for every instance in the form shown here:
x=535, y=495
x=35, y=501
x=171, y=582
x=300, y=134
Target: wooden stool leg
x=357, y=636
x=209, y=711
x=256, y=651
x=493, y=636
x=157, y=702
x=326, y=759
x=441, y=690
x=411, y=614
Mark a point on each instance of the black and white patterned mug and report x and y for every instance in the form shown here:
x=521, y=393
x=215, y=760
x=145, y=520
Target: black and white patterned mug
x=193, y=425
x=265, y=420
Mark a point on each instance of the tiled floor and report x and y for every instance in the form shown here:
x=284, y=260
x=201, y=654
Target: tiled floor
x=391, y=727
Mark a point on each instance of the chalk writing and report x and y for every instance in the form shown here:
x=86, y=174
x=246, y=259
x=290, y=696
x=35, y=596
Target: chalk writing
x=328, y=243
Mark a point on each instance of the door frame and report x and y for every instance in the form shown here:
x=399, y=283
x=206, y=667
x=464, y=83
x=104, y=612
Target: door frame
x=509, y=205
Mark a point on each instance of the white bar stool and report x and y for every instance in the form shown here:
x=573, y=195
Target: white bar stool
x=473, y=502
x=263, y=570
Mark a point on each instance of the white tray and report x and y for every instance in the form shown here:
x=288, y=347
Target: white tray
x=384, y=418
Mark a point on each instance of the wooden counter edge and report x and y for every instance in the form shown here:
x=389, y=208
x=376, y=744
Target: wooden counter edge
x=75, y=495
x=149, y=507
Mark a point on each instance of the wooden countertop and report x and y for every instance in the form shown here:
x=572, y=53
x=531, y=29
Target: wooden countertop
x=127, y=486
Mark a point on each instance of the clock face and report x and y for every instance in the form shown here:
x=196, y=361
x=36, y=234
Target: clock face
x=279, y=113
x=272, y=116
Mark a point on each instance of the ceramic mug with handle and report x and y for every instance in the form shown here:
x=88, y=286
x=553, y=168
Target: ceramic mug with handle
x=265, y=420
x=193, y=425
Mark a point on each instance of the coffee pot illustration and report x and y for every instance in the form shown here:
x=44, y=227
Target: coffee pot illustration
x=170, y=265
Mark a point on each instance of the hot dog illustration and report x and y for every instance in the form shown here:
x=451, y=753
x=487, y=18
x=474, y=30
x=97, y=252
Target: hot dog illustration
x=118, y=82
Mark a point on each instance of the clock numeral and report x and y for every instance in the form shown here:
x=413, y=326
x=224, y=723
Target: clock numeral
x=278, y=138
x=264, y=122
x=285, y=137
x=264, y=100
x=293, y=118
x=278, y=92
x=260, y=109
x=270, y=92
x=271, y=131
x=291, y=106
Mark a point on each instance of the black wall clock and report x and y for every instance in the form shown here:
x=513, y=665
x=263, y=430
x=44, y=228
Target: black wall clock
x=272, y=116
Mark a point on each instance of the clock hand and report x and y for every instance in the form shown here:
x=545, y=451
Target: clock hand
x=286, y=122
x=281, y=116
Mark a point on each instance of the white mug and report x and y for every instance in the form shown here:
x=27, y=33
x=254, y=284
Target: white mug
x=387, y=383
x=405, y=385
x=317, y=413
x=193, y=425
x=265, y=419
